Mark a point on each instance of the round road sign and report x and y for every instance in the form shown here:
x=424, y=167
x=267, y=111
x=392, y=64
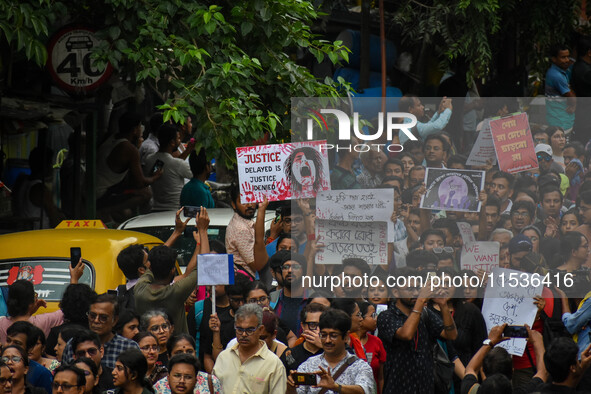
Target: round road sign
x=69, y=61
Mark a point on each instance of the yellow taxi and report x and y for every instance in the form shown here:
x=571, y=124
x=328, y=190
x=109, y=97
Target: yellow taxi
x=43, y=256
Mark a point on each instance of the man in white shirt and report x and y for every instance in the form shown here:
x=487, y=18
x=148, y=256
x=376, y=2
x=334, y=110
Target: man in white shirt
x=166, y=191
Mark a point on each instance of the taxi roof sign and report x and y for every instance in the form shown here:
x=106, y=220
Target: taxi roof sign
x=90, y=224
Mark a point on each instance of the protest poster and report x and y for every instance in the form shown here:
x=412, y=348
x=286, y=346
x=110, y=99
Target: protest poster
x=509, y=299
x=513, y=143
x=282, y=171
x=454, y=190
x=346, y=239
x=357, y=205
x=480, y=255
x=483, y=149
x=466, y=232
x=215, y=269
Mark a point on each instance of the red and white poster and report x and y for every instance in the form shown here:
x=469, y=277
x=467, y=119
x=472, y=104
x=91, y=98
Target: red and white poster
x=282, y=171
x=514, y=144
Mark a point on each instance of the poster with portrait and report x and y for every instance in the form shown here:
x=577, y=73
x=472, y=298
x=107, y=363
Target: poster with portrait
x=452, y=190
x=282, y=171
x=513, y=143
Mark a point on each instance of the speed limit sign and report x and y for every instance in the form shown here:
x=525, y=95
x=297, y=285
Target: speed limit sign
x=69, y=60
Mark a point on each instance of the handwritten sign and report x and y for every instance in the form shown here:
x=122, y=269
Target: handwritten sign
x=282, y=171
x=484, y=148
x=466, y=232
x=506, y=303
x=215, y=269
x=480, y=255
x=513, y=143
x=453, y=190
x=344, y=239
x=367, y=205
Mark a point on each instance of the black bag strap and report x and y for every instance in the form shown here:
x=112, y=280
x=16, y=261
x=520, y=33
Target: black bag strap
x=340, y=371
x=531, y=360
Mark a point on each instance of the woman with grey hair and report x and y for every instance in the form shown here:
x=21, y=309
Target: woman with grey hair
x=158, y=323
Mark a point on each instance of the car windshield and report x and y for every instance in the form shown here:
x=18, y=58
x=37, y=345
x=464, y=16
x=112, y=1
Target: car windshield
x=185, y=245
x=50, y=276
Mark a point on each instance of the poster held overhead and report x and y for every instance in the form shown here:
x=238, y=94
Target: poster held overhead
x=282, y=171
x=483, y=149
x=453, y=190
x=513, y=143
x=215, y=269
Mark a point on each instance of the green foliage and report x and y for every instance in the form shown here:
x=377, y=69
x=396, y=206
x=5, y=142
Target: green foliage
x=230, y=65
x=24, y=25
x=478, y=30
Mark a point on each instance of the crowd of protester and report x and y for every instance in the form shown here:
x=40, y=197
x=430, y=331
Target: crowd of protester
x=268, y=334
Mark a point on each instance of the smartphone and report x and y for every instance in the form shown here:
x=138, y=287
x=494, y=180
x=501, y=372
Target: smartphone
x=515, y=332
x=191, y=212
x=157, y=166
x=75, y=254
x=304, y=379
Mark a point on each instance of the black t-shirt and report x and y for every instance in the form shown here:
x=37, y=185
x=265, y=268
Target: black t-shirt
x=292, y=358
x=556, y=389
x=227, y=331
x=533, y=386
x=106, y=379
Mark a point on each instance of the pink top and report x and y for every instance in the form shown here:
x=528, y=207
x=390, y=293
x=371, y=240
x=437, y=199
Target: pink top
x=45, y=321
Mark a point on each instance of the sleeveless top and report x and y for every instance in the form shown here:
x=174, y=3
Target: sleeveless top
x=105, y=177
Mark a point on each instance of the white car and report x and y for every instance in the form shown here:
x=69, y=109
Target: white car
x=161, y=225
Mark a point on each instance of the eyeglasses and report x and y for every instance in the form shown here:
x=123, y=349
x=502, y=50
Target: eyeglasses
x=358, y=314
x=261, y=300
x=312, y=325
x=91, y=352
x=373, y=315
x=447, y=249
x=147, y=348
x=163, y=327
x=332, y=335
x=248, y=331
x=544, y=157
x=14, y=359
x=64, y=386
x=3, y=381
x=293, y=267
x=92, y=316
x=520, y=214
x=180, y=376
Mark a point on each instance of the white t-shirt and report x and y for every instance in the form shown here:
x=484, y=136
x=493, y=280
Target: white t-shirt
x=166, y=191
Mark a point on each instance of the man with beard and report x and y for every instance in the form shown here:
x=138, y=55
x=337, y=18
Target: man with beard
x=167, y=189
x=502, y=187
x=407, y=335
x=249, y=366
x=490, y=213
x=288, y=269
x=120, y=183
x=436, y=150
x=240, y=235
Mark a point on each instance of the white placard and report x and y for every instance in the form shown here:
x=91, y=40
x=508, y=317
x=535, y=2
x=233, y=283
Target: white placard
x=480, y=255
x=357, y=205
x=215, y=269
x=484, y=148
x=282, y=171
x=466, y=232
x=509, y=298
x=366, y=240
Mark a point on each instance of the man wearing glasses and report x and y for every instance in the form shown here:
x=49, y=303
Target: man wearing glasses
x=87, y=344
x=289, y=268
x=249, y=366
x=311, y=346
x=102, y=317
x=69, y=379
x=354, y=374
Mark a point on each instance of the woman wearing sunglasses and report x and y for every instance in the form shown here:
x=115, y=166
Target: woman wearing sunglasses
x=149, y=346
x=18, y=362
x=129, y=374
x=90, y=373
x=158, y=323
